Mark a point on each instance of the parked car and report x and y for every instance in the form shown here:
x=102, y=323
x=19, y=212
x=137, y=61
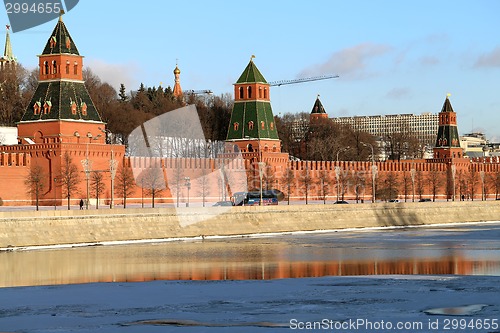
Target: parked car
x=424, y=200
x=223, y=203
x=394, y=200
x=340, y=202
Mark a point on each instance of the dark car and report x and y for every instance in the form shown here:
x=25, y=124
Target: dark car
x=424, y=200
x=340, y=202
x=223, y=203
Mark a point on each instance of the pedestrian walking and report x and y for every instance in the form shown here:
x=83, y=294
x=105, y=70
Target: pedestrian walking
x=81, y=204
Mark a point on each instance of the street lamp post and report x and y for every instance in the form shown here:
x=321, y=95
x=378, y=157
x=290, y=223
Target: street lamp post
x=483, y=194
x=142, y=192
x=112, y=168
x=453, y=173
x=412, y=173
x=55, y=194
x=374, y=170
x=188, y=185
x=261, y=173
x=87, y=163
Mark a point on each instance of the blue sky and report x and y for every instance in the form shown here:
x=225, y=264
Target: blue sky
x=392, y=56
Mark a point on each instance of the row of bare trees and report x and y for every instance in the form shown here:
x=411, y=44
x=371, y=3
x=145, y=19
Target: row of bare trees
x=407, y=185
x=38, y=184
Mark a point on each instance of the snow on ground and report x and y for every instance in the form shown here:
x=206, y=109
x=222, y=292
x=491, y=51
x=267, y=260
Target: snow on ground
x=330, y=304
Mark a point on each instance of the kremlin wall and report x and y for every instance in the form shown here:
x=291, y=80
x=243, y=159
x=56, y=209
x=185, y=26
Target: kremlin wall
x=61, y=120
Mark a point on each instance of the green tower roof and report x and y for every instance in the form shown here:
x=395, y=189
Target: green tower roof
x=252, y=120
x=60, y=41
x=251, y=74
x=56, y=100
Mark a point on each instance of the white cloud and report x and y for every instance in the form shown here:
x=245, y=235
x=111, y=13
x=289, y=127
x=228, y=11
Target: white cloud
x=429, y=61
x=114, y=74
x=349, y=63
x=491, y=59
x=398, y=93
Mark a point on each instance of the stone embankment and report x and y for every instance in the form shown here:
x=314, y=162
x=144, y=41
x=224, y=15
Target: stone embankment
x=48, y=228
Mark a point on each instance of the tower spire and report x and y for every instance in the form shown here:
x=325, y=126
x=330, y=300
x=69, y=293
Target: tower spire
x=177, y=83
x=318, y=111
x=447, y=140
x=8, y=56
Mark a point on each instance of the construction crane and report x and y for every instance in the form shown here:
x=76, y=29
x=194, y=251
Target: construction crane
x=307, y=79
x=197, y=92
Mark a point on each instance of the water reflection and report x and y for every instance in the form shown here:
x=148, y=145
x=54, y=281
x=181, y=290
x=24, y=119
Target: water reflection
x=265, y=258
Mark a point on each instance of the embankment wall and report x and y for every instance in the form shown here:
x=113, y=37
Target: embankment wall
x=45, y=228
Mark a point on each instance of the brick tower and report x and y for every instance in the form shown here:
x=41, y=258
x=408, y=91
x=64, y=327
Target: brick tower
x=447, y=140
x=318, y=111
x=62, y=119
x=252, y=126
x=61, y=104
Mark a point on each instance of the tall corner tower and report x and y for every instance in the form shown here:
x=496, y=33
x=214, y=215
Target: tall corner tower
x=447, y=141
x=252, y=126
x=318, y=111
x=61, y=108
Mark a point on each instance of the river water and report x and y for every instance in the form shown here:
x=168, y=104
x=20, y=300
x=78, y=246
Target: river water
x=472, y=249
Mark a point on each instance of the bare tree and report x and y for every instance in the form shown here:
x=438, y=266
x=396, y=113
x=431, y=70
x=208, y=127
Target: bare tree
x=204, y=185
x=390, y=186
x=288, y=180
x=305, y=181
x=35, y=182
x=97, y=185
x=435, y=179
x=359, y=183
x=69, y=178
x=407, y=184
x=153, y=181
x=268, y=177
x=125, y=183
x=324, y=183
x=15, y=93
x=495, y=183
x=462, y=184
x=175, y=179
x=419, y=183
x=473, y=179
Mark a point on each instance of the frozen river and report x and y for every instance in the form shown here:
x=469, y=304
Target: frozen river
x=340, y=278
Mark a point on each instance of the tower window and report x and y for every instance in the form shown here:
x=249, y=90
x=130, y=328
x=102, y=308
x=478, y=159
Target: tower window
x=84, y=108
x=241, y=92
x=46, y=67
x=54, y=67
x=46, y=107
x=250, y=125
x=235, y=126
x=249, y=92
x=260, y=92
x=265, y=93
x=67, y=67
x=75, y=68
x=37, y=107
